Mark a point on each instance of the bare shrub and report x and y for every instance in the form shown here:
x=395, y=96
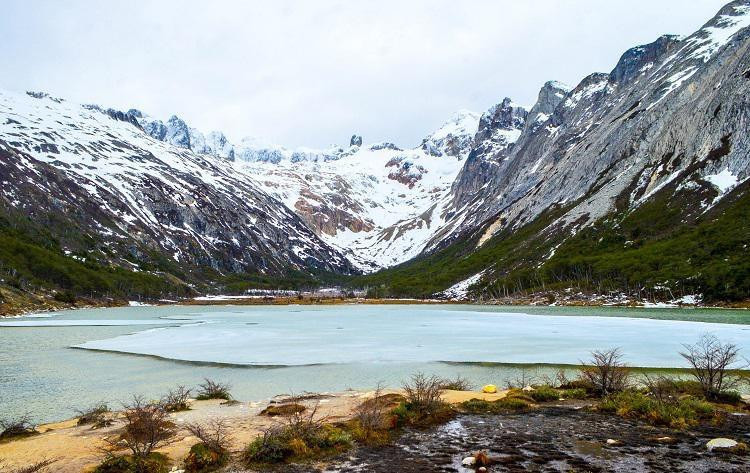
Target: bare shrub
x=17, y=427
x=525, y=378
x=712, y=362
x=662, y=388
x=147, y=427
x=371, y=417
x=214, y=434
x=606, y=371
x=459, y=383
x=176, y=399
x=423, y=392
x=41, y=466
x=213, y=390
x=95, y=415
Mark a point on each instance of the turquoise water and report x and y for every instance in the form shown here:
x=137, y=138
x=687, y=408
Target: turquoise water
x=263, y=351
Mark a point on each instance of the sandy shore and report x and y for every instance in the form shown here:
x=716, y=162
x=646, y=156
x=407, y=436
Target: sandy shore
x=79, y=448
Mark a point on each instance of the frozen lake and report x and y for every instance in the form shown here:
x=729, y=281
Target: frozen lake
x=53, y=364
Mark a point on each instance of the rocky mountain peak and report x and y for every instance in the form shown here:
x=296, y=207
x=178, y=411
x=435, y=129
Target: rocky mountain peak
x=356, y=140
x=636, y=60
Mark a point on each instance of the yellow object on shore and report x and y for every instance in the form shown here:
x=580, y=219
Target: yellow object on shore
x=489, y=389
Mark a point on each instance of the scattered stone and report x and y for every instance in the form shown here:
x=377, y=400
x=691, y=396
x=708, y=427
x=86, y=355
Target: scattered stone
x=489, y=389
x=720, y=444
x=613, y=442
x=482, y=469
x=528, y=389
x=468, y=462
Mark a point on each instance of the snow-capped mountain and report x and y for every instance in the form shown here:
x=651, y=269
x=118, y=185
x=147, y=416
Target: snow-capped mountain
x=130, y=196
x=672, y=117
x=376, y=203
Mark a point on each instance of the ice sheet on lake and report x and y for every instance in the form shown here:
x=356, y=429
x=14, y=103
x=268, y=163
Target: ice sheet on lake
x=283, y=337
x=79, y=323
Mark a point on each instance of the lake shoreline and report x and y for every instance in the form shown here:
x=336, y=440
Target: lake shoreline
x=47, y=304
x=572, y=431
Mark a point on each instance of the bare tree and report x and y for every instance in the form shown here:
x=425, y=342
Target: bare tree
x=147, y=428
x=525, y=378
x=712, y=362
x=214, y=434
x=606, y=371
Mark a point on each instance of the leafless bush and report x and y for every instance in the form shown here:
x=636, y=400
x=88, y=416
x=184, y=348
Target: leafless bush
x=459, y=383
x=371, y=415
x=16, y=427
x=525, y=378
x=147, y=428
x=662, y=388
x=712, y=362
x=176, y=399
x=606, y=371
x=213, y=390
x=214, y=434
x=423, y=393
x=38, y=467
x=95, y=415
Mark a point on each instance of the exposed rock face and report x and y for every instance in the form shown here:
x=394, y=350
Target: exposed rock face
x=355, y=141
x=672, y=113
x=137, y=196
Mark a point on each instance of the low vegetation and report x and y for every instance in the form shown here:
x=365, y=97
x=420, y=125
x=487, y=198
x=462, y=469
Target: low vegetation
x=210, y=389
x=605, y=372
x=457, y=383
x=95, y=415
x=176, y=399
x=712, y=362
x=42, y=466
x=212, y=452
x=17, y=428
x=302, y=437
x=423, y=405
x=147, y=428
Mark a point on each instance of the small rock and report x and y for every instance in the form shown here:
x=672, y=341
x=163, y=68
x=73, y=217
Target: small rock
x=528, y=389
x=720, y=444
x=613, y=442
x=664, y=439
x=482, y=469
x=489, y=389
x=468, y=462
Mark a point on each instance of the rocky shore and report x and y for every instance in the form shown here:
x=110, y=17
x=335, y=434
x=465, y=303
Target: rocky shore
x=553, y=436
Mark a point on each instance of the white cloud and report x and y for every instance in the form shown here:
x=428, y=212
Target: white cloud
x=314, y=72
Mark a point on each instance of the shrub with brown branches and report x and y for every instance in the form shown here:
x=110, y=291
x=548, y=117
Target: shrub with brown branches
x=303, y=436
x=147, y=428
x=371, y=419
x=95, y=415
x=213, y=450
x=17, y=427
x=176, y=399
x=459, y=383
x=712, y=363
x=423, y=405
x=210, y=389
x=41, y=466
x=606, y=372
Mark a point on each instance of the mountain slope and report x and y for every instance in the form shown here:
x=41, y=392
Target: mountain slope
x=666, y=129
x=131, y=200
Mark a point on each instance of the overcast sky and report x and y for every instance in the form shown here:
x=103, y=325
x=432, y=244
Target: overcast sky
x=314, y=72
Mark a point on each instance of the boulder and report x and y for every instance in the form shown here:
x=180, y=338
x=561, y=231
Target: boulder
x=489, y=389
x=468, y=462
x=720, y=444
